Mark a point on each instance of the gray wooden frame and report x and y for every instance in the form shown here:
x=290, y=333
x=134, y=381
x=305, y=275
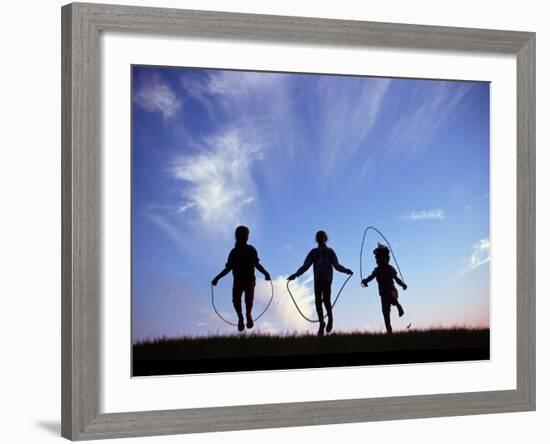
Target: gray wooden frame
x=81, y=234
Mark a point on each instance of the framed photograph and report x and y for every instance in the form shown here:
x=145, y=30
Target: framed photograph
x=268, y=202
x=221, y=158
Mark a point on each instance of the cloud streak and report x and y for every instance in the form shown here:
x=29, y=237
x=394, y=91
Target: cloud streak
x=349, y=109
x=422, y=116
x=154, y=95
x=229, y=83
x=476, y=200
x=422, y=215
x=481, y=254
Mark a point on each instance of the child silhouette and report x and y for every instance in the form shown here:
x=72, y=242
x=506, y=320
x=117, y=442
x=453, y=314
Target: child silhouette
x=385, y=275
x=242, y=260
x=323, y=260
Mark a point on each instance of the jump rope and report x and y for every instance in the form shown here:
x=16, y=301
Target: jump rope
x=232, y=323
x=313, y=321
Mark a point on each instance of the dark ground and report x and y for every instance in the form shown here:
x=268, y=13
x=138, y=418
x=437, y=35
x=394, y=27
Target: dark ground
x=247, y=352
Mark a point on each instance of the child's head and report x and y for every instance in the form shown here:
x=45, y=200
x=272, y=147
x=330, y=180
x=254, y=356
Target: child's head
x=382, y=254
x=241, y=234
x=321, y=237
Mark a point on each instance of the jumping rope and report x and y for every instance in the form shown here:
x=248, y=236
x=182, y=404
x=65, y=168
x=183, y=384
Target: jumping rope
x=389, y=246
x=333, y=304
x=231, y=323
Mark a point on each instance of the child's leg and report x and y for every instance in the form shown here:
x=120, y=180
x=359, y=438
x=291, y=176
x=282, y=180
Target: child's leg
x=400, y=309
x=328, y=305
x=318, y=289
x=387, y=321
x=249, y=300
x=386, y=307
x=395, y=301
x=237, y=304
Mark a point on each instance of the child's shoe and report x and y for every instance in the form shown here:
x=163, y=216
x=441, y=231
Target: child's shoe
x=249, y=321
x=321, y=331
x=400, y=310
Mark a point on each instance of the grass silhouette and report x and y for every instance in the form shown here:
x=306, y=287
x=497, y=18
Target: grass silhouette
x=400, y=347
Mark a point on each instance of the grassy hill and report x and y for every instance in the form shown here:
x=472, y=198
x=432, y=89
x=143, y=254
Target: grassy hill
x=245, y=352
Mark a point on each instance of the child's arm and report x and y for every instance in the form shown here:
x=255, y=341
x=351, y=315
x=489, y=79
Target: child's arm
x=307, y=263
x=337, y=265
x=400, y=282
x=369, y=278
x=262, y=270
x=259, y=266
x=220, y=275
x=227, y=269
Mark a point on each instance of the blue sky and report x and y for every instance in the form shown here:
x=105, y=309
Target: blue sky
x=287, y=155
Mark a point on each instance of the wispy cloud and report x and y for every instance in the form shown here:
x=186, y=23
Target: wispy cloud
x=283, y=315
x=238, y=83
x=170, y=229
x=154, y=95
x=481, y=254
x=420, y=215
x=348, y=109
x=423, y=115
x=476, y=200
x=338, y=117
x=261, y=105
x=237, y=93
x=218, y=186
x=183, y=208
